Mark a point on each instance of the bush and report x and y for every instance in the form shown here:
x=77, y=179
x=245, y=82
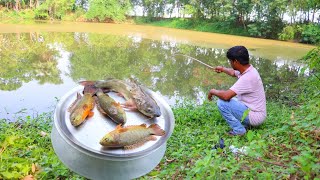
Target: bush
x=76, y=16
x=266, y=29
x=287, y=33
x=108, y=10
x=42, y=12
x=311, y=34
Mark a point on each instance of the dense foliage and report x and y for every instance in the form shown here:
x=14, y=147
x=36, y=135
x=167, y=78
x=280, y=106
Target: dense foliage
x=113, y=10
x=286, y=146
x=25, y=149
x=281, y=19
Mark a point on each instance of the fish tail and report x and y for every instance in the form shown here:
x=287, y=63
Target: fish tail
x=73, y=105
x=90, y=88
x=156, y=130
x=85, y=83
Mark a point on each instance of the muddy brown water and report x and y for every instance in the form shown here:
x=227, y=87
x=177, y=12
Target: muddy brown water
x=42, y=61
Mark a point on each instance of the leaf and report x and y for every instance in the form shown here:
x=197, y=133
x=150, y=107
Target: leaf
x=154, y=173
x=11, y=175
x=245, y=114
x=250, y=135
x=7, y=175
x=29, y=177
x=33, y=168
x=11, y=139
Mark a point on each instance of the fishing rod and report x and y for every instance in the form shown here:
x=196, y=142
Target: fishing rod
x=195, y=60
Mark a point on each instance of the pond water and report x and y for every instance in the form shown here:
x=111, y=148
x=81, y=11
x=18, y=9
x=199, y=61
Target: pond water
x=41, y=62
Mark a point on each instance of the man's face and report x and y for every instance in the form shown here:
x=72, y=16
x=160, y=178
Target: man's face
x=232, y=64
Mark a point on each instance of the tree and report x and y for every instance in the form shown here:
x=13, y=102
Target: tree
x=113, y=10
x=54, y=8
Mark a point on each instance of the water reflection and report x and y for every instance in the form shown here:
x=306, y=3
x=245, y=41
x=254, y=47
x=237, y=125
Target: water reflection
x=37, y=68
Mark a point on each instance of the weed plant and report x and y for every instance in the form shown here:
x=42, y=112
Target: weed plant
x=25, y=149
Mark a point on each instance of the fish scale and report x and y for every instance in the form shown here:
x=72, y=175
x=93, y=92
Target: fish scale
x=111, y=108
x=131, y=136
x=132, y=92
x=81, y=109
x=140, y=134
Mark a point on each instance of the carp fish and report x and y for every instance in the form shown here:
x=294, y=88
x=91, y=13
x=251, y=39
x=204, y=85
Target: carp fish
x=135, y=96
x=82, y=107
x=131, y=136
x=108, y=106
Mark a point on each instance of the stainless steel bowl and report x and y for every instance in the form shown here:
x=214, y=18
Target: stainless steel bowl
x=79, y=149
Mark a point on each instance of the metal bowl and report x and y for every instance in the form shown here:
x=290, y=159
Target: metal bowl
x=79, y=149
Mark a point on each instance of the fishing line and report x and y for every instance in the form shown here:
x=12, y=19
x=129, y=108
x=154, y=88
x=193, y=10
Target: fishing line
x=195, y=60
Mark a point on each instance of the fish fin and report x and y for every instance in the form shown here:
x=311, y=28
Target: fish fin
x=133, y=81
x=153, y=138
x=128, y=107
x=122, y=130
x=133, y=146
x=140, y=143
x=143, y=90
x=79, y=96
x=85, y=83
x=84, y=115
x=109, y=78
x=132, y=126
x=141, y=125
x=156, y=130
x=90, y=114
x=73, y=105
x=130, y=104
x=119, y=126
x=117, y=104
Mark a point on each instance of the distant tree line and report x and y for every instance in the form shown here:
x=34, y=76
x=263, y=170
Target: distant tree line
x=260, y=18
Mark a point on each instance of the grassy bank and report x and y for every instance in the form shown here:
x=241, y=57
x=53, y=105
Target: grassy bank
x=304, y=33
x=286, y=146
x=308, y=33
x=189, y=24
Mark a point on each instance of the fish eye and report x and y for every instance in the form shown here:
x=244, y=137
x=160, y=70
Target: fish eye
x=107, y=139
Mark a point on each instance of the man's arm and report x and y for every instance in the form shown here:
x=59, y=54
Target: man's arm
x=222, y=94
x=228, y=71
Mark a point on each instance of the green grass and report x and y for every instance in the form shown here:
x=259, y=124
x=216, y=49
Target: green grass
x=285, y=145
x=14, y=16
x=25, y=149
x=283, y=140
x=223, y=27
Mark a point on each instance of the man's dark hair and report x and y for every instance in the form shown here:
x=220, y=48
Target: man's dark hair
x=239, y=53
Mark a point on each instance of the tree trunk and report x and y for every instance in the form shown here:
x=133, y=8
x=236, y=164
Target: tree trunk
x=36, y=3
x=305, y=16
x=17, y=5
x=314, y=11
x=30, y=4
